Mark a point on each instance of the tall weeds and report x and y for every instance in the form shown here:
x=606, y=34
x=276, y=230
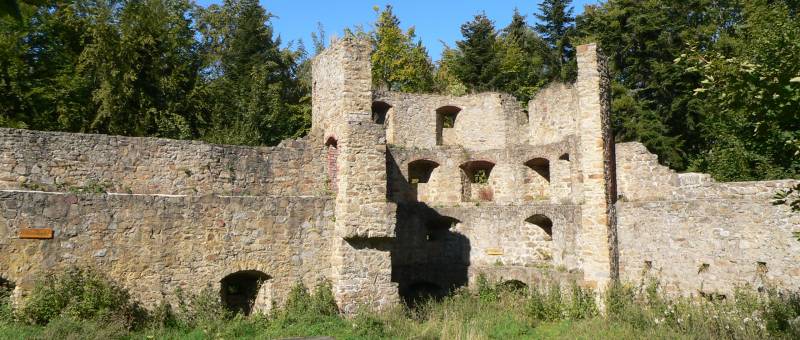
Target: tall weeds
x=80, y=303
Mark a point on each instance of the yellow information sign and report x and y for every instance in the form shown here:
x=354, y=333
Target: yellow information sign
x=494, y=251
x=36, y=233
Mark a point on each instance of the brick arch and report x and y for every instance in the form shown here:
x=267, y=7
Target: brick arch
x=541, y=166
x=513, y=284
x=475, y=184
x=471, y=168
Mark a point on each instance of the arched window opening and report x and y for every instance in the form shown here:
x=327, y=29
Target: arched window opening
x=564, y=157
x=541, y=166
x=478, y=171
x=437, y=229
x=542, y=222
x=332, y=146
x=420, y=171
x=379, y=111
x=475, y=181
x=537, y=182
x=240, y=290
x=446, y=117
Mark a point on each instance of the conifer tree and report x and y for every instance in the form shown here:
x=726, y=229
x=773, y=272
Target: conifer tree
x=476, y=64
x=399, y=63
x=249, y=87
x=556, y=27
x=521, y=54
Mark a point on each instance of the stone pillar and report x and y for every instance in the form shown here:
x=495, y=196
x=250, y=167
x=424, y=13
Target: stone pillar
x=596, y=235
x=364, y=219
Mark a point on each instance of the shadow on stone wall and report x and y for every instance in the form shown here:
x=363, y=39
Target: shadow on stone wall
x=399, y=188
x=429, y=259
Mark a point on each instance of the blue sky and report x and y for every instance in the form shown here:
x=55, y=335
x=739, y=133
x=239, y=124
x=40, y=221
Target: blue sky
x=435, y=20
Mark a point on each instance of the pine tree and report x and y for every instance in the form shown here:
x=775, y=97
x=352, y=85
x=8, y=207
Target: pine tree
x=144, y=63
x=476, y=64
x=249, y=93
x=556, y=27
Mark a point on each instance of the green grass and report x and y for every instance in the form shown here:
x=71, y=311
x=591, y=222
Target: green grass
x=84, y=305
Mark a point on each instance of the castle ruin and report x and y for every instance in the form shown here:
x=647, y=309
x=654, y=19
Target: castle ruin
x=391, y=197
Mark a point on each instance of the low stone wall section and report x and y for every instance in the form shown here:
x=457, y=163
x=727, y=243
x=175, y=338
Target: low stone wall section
x=699, y=236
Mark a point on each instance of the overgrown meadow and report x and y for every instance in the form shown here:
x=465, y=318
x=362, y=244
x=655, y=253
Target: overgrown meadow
x=83, y=304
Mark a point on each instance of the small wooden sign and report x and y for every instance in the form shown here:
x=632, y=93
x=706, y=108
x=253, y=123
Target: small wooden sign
x=36, y=233
x=494, y=251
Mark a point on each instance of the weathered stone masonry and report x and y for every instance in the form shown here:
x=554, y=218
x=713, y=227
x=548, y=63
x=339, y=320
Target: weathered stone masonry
x=391, y=197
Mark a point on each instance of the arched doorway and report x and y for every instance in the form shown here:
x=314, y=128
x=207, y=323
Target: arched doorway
x=240, y=291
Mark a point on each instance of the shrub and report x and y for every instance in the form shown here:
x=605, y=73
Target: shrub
x=304, y=306
x=162, y=316
x=298, y=302
x=545, y=303
x=196, y=309
x=6, y=310
x=322, y=300
x=71, y=329
x=782, y=312
x=486, y=292
x=80, y=294
x=581, y=303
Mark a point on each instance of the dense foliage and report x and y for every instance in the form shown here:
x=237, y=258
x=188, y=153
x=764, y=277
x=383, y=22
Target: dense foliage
x=708, y=85
x=163, y=68
x=705, y=84
x=398, y=62
x=88, y=307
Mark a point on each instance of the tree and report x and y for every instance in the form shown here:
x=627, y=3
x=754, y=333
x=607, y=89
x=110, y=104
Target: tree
x=752, y=94
x=476, y=64
x=556, y=27
x=653, y=100
x=143, y=64
x=521, y=54
x=250, y=85
x=398, y=63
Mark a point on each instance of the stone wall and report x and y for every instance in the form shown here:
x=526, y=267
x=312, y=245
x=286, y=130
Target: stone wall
x=593, y=87
x=342, y=84
x=552, y=114
x=52, y=161
x=510, y=180
x=698, y=236
x=364, y=222
x=485, y=121
x=154, y=244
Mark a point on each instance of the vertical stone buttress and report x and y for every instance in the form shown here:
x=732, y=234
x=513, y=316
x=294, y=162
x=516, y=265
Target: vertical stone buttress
x=597, y=234
x=364, y=219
